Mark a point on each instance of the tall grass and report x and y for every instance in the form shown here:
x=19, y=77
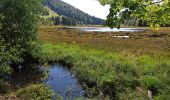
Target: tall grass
x=109, y=74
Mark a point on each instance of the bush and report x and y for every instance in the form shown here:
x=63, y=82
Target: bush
x=4, y=88
x=8, y=55
x=35, y=92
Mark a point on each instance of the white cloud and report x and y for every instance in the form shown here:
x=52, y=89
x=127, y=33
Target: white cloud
x=91, y=7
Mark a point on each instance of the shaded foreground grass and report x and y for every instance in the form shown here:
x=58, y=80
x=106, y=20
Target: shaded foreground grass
x=112, y=75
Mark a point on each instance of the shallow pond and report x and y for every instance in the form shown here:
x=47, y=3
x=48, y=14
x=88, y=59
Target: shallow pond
x=58, y=78
x=63, y=82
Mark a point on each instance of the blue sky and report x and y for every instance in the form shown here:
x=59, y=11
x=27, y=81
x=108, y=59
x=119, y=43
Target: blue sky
x=91, y=7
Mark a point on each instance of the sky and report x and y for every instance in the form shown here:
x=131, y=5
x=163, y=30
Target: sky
x=92, y=7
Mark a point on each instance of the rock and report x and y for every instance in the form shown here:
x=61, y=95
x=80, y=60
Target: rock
x=124, y=37
x=150, y=95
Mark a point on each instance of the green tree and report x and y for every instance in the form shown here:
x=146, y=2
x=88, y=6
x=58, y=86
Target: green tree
x=155, y=12
x=7, y=55
x=18, y=21
x=18, y=26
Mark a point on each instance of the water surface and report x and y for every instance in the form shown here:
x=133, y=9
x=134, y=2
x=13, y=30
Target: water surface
x=59, y=78
x=63, y=82
x=106, y=29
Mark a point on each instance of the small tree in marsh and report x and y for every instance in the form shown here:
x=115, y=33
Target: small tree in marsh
x=155, y=12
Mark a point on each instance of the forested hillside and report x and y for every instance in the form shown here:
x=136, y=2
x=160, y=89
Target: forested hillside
x=71, y=15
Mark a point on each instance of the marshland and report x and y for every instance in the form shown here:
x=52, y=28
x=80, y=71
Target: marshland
x=51, y=50
x=100, y=61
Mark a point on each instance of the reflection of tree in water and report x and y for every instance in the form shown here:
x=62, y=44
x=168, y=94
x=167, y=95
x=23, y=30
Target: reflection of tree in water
x=29, y=74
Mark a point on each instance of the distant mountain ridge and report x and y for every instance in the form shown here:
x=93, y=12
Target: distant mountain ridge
x=69, y=11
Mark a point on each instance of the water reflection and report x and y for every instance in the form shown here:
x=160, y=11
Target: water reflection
x=106, y=29
x=29, y=74
x=57, y=77
x=64, y=83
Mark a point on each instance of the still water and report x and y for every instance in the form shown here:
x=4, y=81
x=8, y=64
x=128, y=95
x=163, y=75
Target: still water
x=106, y=29
x=59, y=79
x=64, y=83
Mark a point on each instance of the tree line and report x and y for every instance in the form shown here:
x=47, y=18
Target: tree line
x=71, y=15
x=61, y=20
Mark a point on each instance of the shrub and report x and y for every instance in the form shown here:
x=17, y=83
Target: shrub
x=35, y=92
x=8, y=55
x=4, y=88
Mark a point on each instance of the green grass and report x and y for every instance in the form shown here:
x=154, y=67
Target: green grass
x=114, y=74
x=35, y=92
x=51, y=13
x=31, y=92
x=138, y=44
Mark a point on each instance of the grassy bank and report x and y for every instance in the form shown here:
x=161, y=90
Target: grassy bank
x=110, y=74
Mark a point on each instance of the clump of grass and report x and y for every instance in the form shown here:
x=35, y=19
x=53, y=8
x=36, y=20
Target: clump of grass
x=151, y=83
x=35, y=92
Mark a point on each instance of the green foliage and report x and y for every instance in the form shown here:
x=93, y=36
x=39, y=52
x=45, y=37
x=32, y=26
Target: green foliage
x=163, y=72
x=18, y=21
x=18, y=26
x=34, y=49
x=45, y=12
x=35, y=92
x=151, y=83
x=154, y=12
x=133, y=95
x=162, y=97
x=4, y=88
x=59, y=20
x=8, y=54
